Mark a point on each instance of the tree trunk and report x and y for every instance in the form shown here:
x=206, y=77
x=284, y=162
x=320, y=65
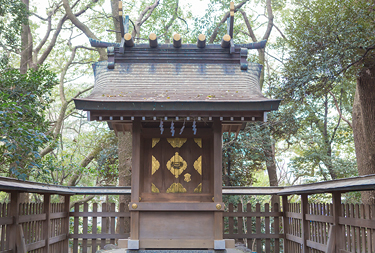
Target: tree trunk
x=116, y=19
x=364, y=125
x=124, y=171
x=272, y=170
x=25, y=47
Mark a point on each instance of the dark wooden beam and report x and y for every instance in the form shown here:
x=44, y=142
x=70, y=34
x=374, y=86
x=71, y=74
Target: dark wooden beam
x=201, y=43
x=129, y=42
x=121, y=19
x=177, y=41
x=153, y=40
x=225, y=42
x=231, y=19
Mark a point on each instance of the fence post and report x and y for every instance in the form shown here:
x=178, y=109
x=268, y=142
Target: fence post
x=285, y=220
x=335, y=239
x=47, y=222
x=66, y=222
x=14, y=211
x=304, y=222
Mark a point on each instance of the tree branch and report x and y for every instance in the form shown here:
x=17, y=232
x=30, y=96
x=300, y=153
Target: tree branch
x=249, y=28
x=224, y=19
x=83, y=27
x=339, y=111
x=141, y=19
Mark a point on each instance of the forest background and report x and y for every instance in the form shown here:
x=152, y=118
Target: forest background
x=318, y=60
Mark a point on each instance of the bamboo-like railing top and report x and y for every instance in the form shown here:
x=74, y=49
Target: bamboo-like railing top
x=363, y=183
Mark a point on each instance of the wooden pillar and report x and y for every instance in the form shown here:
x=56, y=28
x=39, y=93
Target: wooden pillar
x=285, y=221
x=217, y=162
x=335, y=240
x=14, y=211
x=136, y=161
x=66, y=223
x=304, y=222
x=47, y=222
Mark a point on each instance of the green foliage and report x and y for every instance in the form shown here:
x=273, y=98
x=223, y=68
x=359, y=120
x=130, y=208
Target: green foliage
x=12, y=15
x=328, y=41
x=23, y=101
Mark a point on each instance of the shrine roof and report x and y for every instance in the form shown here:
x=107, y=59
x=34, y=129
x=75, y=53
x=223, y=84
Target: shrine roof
x=168, y=82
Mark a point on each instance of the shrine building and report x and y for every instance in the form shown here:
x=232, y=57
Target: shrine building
x=177, y=100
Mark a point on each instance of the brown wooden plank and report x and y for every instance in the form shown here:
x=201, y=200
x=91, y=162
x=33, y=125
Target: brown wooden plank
x=249, y=225
x=3, y=216
x=293, y=215
x=94, y=227
x=239, y=220
x=368, y=231
x=258, y=229
x=357, y=229
x=14, y=210
x=66, y=223
x=32, y=217
x=36, y=245
x=113, y=221
x=304, y=223
x=286, y=227
x=84, y=229
x=176, y=243
x=75, y=229
x=347, y=215
x=316, y=245
x=103, y=237
x=98, y=214
x=276, y=228
x=254, y=236
x=267, y=227
x=294, y=238
x=135, y=184
x=56, y=239
x=104, y=227
x=230, y=220
x=47, y=223
x=217, y=165
x=362, y=230
x=255, y=214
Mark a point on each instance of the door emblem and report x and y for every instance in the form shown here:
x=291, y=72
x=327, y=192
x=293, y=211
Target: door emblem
x=176, y=165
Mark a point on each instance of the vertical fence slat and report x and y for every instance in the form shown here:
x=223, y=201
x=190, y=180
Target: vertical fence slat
x=113, y=222
x=276, y=227
x=75, y=229
x=258, y=228
x=94, y=227
x=267, y=227
x=104, y=225
x=285, y=207
x=239, y=220
x=84, y=229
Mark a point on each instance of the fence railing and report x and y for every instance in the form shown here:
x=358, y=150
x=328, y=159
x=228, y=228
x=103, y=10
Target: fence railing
x=296, y=227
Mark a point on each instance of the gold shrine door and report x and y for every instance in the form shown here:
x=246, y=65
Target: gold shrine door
x=176, y=189
x=177, y=170
x=176, y=193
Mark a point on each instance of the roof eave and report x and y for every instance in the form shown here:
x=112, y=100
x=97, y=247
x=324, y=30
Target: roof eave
x=154, y=106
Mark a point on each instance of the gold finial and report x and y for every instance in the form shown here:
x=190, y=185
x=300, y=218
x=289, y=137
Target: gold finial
x=226, y=37
x=140, y=198
x=128, y=36
x=134, y=206
x=213, y=199
x=218, y=206
x=152, y=36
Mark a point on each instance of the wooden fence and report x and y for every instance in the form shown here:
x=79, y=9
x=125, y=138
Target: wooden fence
x=298, y=228
x=33, y=227
x=260, y=226
x=93, y=229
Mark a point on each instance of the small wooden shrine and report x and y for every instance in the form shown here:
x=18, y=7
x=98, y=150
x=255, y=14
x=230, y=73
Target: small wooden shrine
x=177, y=100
